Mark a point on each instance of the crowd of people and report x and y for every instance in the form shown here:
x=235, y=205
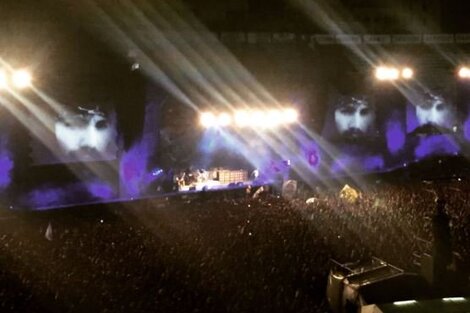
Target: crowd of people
x=216, y=252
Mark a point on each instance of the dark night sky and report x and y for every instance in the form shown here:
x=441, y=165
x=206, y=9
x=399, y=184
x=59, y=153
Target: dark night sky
x=282, y=15
x=455, y=15
x=233, y=15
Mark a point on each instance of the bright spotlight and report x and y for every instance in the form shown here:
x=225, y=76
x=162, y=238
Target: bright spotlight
x=407, y=73
x=454, y=299
x=21, y=79
x=224, y=119
x=3, y=80
x=381, y=73
x=387, y=73
x=207, y=119
x=291, y=115
x=393, y=74
x=406, y=302
x=464, y=72
x=242, y=118
x=273, y=118
x=256, y=118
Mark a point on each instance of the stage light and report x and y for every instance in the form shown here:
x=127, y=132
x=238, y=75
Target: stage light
x=242, y=119
x=256, y=118
x=454, y=299
x=381, y=73
x=252, y=118
x=21, y=79
x=464, y=72
x=407, y=73
x=135, y=66
x=224, y=119
x=3, y=80
x=207, y=119
x=273, y=118
x=393, y=74
x=291, y=115
x=387, y=73
x=406, y=302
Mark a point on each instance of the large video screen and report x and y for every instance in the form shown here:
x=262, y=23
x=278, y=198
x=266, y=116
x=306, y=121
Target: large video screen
x=354, y=117
x=432, y=110
x=353, y=127
x=380, y=130
x=434, y=124
x=80, y=134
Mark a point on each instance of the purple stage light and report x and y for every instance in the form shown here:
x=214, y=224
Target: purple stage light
x=6, y=166
x=436, y=145
x=341, y=164
x=466, y=129
x=373, y=163
x=101, y=190
x=313, y=158
x=45, y=197
x=395, y=134
x=133, y=169
x=411, y=119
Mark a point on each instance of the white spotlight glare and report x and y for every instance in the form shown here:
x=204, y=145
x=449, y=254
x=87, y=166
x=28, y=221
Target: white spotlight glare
x=387, y=73
x=224, y=119
x=241, y=119
x=393, y=74
x=3, y=80
x=207, y=119
x=21, y=79
x=257, y=119
x=406, y=302
x=291, y=116
x=273, y=118
x=464, y=72
x=407, y=73
x=381, y=73
x=454, y=299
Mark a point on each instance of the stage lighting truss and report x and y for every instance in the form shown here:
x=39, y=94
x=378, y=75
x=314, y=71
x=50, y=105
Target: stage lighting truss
x=390, y=73
x=19, y=79
x=261, y=119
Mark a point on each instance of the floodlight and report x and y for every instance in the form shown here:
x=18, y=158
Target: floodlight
x=406, y=302
x=273, y=118
x=256, y=118
x=464, y=72
x=291, y=115
x=224, y=119
x=207, y=119
x=387, y=73
x=454, y=299
x=407, y=73
x=381, y=73
x=242, y=118
x=393, y=73
x=21, y=79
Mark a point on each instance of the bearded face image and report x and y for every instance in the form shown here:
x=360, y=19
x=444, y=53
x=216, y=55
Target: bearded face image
x=354, y=118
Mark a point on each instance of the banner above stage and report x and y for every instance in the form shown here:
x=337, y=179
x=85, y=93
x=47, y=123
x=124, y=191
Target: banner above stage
x=341, y=39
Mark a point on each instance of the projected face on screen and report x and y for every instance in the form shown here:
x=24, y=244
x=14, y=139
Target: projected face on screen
x=354, y=117
x=87, y=135
x=435, y=110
